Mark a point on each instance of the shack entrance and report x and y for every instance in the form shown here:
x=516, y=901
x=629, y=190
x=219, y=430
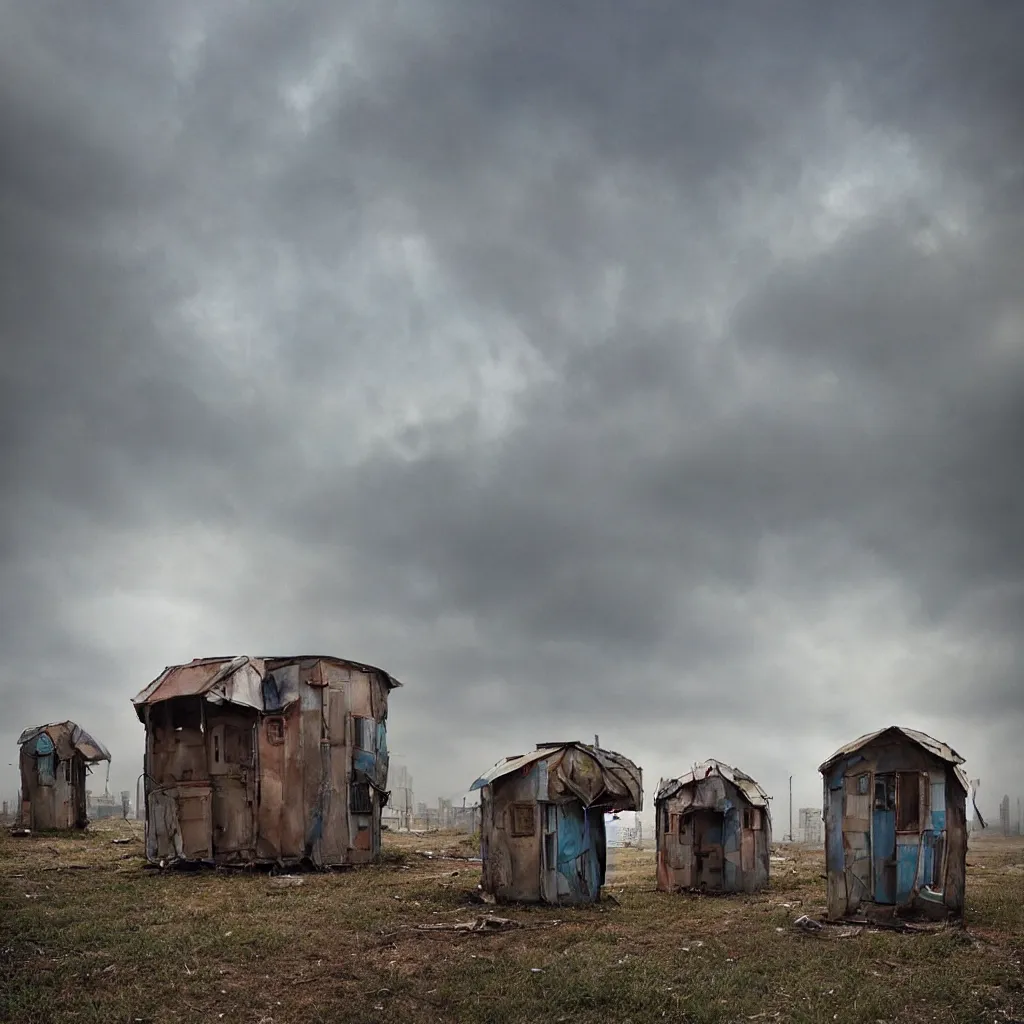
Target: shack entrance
x=705, y=829
x=232, y=760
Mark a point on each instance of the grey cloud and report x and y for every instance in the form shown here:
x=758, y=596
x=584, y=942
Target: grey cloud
x=502, y=345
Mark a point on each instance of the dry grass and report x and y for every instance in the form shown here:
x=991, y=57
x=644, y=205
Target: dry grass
x=86, y=934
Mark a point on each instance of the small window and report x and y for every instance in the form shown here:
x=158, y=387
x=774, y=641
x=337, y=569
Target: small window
x=359, y=798
x=885, y=792
x=365, y=734
x=551, y=851
x=216, y=748
x=275, y=730
x=863, y=785
x=748, y=818
x=524, y=821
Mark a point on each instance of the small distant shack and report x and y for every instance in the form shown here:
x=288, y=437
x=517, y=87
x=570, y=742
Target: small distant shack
x=542, y=821
x=266, y=760
x=54, y=761
x=714, y=831
x=895, y=825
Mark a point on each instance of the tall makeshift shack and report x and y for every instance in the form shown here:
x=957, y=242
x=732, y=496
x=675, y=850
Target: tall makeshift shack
x=714, y=831
x=54, y=760
x=542, y=821
x=266, y=760
x=895, y=825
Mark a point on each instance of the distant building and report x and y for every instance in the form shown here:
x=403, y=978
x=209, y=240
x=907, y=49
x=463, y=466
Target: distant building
x=714, y=831
x=895, y=825
x=811, y=827
x=398, y=811
x=622, y=830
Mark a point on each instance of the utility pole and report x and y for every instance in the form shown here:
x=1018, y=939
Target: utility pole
x=791, y=808
x=597, y=741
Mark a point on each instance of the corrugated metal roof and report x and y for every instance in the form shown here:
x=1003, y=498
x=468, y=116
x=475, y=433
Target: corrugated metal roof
x=90, y=749
x=200, y=675
x=508, y=765
x=929, y=743
x=743, y=782
x=616, y=769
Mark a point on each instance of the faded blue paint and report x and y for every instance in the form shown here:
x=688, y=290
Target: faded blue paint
x=938, y=804
x=928, y=859
x=883, y=851
x=364, y=761
x=907, y=855
x=578, y=861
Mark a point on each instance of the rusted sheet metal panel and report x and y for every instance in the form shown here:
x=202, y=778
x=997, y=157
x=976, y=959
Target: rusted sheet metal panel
x=237, y=679
x=751, y=791
x=929, y=743
x=713, y=831
x=271, y=739
x=595, y=776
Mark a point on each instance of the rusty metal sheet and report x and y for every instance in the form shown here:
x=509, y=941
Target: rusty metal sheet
x=68, y=736
x=929, y=743
x=267, y=784
x=238, y=679
x=751, y=791
x=189, y=680
x=613, y=779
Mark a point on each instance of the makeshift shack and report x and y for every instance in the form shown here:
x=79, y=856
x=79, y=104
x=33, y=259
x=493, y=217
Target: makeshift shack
x=54, y=761
x=895, y=825
x=714, y=831
x=266, y=760
x=542, y=821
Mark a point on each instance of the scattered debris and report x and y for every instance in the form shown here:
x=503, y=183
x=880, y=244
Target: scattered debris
x=807, y=924
x=479, y=924
x=120, y=842
x=284, y=881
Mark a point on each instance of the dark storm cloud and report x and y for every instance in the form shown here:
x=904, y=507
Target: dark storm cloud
x=652, y=371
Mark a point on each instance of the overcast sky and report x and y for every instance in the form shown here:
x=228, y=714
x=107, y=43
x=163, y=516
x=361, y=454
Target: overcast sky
x=652, y=370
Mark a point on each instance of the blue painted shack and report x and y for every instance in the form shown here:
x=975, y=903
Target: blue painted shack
x=542, y=832
x=895, y=808
x=714, y=831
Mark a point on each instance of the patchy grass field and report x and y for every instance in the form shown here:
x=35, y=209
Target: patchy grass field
x=86, y=934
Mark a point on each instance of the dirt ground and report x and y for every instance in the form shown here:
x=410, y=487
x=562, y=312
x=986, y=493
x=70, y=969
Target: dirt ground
x=88, y=934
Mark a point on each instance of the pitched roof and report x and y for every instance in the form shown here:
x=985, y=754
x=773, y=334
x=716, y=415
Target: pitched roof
x=743, y=782
x=239, y=678
x=68, y=737
x=932, y=745
x=617, y=771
